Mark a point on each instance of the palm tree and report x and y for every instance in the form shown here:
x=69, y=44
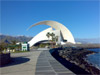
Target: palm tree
x=56, y=39
x=52, y=35
x=48, y=35
x=53, y=38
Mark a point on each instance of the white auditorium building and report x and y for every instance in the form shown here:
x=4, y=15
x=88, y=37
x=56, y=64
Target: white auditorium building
x=57, y=28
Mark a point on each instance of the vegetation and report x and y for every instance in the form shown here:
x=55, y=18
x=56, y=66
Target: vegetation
x=12, y=46
x=3, y=46
x=54, y=39
x=43, y=45
x=48, y=35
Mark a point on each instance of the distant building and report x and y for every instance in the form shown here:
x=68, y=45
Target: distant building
x=18, y=43
x=78, y=43
x=25, y=46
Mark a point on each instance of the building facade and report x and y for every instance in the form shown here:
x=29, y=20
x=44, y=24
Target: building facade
x=60, y=30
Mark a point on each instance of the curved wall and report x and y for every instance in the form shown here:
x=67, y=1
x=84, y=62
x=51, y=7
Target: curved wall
x=39, y=37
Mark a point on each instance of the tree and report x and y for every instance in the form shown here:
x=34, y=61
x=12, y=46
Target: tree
x=18, y=46
x=56, y=39
x=13, y=45
x=14, y=42
x=3, y=46
x=53, y=38
x=48, y=35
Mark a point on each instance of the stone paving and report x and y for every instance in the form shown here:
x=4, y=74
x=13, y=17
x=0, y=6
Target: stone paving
x=47, y=65
x=37, y=62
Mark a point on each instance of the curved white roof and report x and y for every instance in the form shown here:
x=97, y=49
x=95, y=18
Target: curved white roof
x=40, y=37
x=58, y=26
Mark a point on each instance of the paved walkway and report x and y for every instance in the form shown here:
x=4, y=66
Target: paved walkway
x=42, y=49
x=47, y=65
x=34, y=63
x=22, y=64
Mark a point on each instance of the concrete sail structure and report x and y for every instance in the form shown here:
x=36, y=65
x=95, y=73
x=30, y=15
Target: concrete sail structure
x=42, y=36
x=66, y=34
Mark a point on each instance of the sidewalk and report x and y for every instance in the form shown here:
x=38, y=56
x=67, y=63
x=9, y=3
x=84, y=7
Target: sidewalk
x=22, y=64
x=37, y=62
x=48, y=65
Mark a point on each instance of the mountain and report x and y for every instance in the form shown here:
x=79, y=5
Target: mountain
x=9, y=39
x=90, y=40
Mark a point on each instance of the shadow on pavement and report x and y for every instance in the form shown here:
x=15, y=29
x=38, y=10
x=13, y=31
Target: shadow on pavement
x=16, y=61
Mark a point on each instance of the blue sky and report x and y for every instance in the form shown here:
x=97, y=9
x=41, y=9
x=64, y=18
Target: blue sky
x=80, y=17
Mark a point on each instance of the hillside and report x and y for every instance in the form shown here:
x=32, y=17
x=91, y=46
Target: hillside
x=88, y=40
x=8, y=39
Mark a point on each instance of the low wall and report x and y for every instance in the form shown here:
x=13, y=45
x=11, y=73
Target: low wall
x=4, y=59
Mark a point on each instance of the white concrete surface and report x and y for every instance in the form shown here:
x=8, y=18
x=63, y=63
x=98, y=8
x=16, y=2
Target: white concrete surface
x=42, y=36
